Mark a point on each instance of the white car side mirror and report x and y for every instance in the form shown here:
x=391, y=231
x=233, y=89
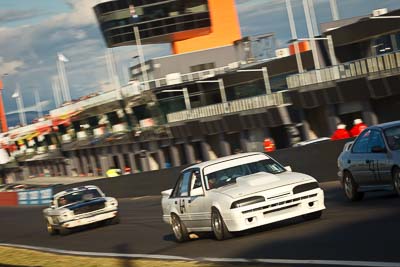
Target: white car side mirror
x=166, y=193
x=288, y=168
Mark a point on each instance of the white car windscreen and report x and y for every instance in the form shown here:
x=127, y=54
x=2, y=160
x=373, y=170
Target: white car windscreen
x=233, y=162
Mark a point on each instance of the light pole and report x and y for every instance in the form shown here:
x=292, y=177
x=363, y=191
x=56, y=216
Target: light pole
x=4, y=127
x=294, y=36
x=308, y=15
x=334, y=10
x=138, y=41
x=20, y=105
x=264, y=71
x=221, y=87
x=38, y=105
x=61, y=59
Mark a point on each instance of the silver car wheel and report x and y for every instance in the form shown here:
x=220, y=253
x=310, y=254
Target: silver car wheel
x=177, y=227
x=348, y=186
x=217, y=224
x=396, y=181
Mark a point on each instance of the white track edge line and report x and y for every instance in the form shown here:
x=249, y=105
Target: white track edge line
x=208, y=259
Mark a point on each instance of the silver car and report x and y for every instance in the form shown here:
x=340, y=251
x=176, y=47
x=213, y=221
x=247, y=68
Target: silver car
x=371, y=162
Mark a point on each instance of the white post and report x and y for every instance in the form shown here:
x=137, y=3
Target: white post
x=63, y=80
x=56, y=91
x=187, y=99
x=222, y=90
x=141, y=57
x=331, y=50
x=334, y=10
x=312, y=42
x=38, y=105
x=294, y=36
x=266, y=81
x=20, y=106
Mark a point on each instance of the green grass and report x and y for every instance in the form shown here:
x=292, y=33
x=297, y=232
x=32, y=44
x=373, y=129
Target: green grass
x=24, y=257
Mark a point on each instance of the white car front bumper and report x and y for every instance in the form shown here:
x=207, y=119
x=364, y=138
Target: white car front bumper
x=265, y=213
x=91, y=219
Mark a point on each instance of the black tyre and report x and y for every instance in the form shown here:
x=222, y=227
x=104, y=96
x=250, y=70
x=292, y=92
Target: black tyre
x=179, y=229
x=218, y=226
x=396, y=180
x=50, y=229
x=312, y=216
x=64, y=231
x=350, y=188
x=115, y=220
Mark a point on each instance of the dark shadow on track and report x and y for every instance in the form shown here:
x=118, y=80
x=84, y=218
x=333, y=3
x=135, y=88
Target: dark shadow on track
x=123, y=248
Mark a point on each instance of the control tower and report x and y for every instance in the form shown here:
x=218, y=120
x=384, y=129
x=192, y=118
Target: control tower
x=187, y=25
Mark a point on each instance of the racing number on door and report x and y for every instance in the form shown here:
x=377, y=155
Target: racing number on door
x=182, y=208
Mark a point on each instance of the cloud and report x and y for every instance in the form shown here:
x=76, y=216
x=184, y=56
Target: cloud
x=10, y=67
x=8, y=15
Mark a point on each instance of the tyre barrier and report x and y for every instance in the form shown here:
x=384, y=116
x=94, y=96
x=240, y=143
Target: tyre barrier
x=26, y=197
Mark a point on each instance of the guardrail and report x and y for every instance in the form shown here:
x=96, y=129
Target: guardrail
x=275, y=99
x=358, y=68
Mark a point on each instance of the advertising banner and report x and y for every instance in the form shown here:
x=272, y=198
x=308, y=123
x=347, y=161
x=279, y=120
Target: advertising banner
x=35, y=197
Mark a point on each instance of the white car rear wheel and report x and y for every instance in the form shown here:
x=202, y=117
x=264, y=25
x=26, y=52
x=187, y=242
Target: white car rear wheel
x=218, y=225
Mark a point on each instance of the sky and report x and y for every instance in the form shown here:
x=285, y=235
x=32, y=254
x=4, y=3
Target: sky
x=33, y=32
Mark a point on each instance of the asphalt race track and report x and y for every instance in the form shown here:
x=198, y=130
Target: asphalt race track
x=362, y=231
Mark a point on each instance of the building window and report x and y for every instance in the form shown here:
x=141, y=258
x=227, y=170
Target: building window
x=200, y=67
x=383, y=45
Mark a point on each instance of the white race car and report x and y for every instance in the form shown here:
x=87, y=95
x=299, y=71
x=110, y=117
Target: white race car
x=79, y=206
x=238, y=192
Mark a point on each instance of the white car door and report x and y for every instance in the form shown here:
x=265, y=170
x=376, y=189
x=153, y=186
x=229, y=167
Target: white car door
x=180, y=197
x=197, y=204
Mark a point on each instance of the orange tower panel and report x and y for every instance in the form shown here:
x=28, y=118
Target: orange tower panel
x=303, y=47
x=225, y=29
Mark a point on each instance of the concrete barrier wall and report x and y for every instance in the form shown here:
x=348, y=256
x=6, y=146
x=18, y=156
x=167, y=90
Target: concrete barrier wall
x=8, y=199
x=26, y=197
x=318, y=160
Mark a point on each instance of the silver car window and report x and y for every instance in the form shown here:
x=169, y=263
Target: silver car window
x=375, y=140
x=393, y=137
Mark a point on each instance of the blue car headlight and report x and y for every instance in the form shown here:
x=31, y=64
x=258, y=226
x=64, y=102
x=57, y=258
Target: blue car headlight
x=247, y=201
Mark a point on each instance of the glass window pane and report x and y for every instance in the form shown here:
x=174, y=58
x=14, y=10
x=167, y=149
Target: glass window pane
x=361, y=144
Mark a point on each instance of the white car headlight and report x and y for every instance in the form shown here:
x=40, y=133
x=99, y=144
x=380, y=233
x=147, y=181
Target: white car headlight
x=112, y=203
x=247, y=201
x=305, y=187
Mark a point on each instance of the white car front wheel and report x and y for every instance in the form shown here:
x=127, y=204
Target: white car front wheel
x=50, y=228
x=218, y=226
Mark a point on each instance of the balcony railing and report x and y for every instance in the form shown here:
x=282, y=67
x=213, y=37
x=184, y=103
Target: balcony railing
x=367, y=66
x=262, y=101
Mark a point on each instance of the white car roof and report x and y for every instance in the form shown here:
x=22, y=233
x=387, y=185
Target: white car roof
x=222, y=159
x=75, y=189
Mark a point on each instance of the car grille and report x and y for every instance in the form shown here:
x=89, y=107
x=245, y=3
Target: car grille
x=278, y=204
x=89, y=208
